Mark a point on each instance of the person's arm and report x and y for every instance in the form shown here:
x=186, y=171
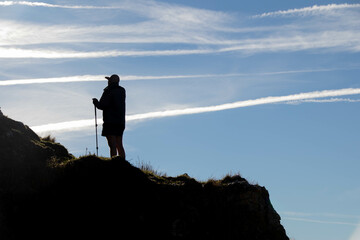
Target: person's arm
x=104, y=101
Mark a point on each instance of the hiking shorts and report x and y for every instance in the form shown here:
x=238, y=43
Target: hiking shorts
x=113, y=129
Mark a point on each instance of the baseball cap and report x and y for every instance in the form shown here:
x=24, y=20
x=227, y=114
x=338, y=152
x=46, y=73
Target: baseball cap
x=113, y=78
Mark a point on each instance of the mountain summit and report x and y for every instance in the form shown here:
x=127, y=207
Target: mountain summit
x=46, y=193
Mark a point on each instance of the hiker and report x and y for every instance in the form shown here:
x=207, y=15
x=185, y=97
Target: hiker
x=112, y=102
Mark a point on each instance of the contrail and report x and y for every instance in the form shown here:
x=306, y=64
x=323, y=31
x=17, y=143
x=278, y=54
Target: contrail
x=320, y=221
x=83, y=78
x=73, y=125
x=16, y=53
x=356, y=234
x=307, y=214
x=308, y=10
x=330, y=100
x=42, y=4
x=95, y=78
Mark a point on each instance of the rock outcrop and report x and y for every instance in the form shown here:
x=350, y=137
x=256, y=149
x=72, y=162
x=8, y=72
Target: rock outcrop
x=20, y=146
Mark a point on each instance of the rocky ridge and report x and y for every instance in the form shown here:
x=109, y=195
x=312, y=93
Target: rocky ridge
x=47, y=193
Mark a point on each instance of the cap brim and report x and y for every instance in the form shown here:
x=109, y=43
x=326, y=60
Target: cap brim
x=107, y=78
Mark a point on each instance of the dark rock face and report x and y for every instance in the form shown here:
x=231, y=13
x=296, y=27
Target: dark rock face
x=111, y=199
x=24, y=156
x=19, y=145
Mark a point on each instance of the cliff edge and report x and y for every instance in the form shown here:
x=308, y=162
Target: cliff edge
x=46, y=193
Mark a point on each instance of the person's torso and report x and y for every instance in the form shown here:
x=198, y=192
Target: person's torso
x=115, y=111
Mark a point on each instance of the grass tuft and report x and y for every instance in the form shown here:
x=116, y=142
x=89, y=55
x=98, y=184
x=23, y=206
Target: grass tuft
x=147, y=168
x=49, y=138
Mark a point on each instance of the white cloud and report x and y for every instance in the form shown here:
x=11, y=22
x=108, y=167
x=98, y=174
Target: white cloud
x=211, y=32
x=43, y=4
x=157, y=22
x=71, y=125
x=309, y=10
x=165, y=12
x=149, y=31
x=336, y=40
x=180, y=16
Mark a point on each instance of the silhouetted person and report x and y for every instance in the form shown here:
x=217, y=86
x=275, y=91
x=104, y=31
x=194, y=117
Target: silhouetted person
x=112, y=102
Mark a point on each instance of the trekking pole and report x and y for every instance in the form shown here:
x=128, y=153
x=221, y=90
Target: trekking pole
x=97, y=147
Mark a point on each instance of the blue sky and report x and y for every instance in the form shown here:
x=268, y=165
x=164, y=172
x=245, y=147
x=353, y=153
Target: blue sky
x=267, y=89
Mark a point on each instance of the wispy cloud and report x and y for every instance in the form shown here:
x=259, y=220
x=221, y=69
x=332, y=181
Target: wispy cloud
x=211, y=32
x=156, y=10
x=158, y=22
x=43, y=4
x=309, y=10
x=336, y=40
x=71, y=125
x=147, y=31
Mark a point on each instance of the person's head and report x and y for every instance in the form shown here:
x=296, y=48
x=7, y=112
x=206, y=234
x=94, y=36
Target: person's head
x=113, y=79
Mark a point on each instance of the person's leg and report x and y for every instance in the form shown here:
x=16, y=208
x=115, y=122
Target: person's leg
x=120, y=147
x=112, y=145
